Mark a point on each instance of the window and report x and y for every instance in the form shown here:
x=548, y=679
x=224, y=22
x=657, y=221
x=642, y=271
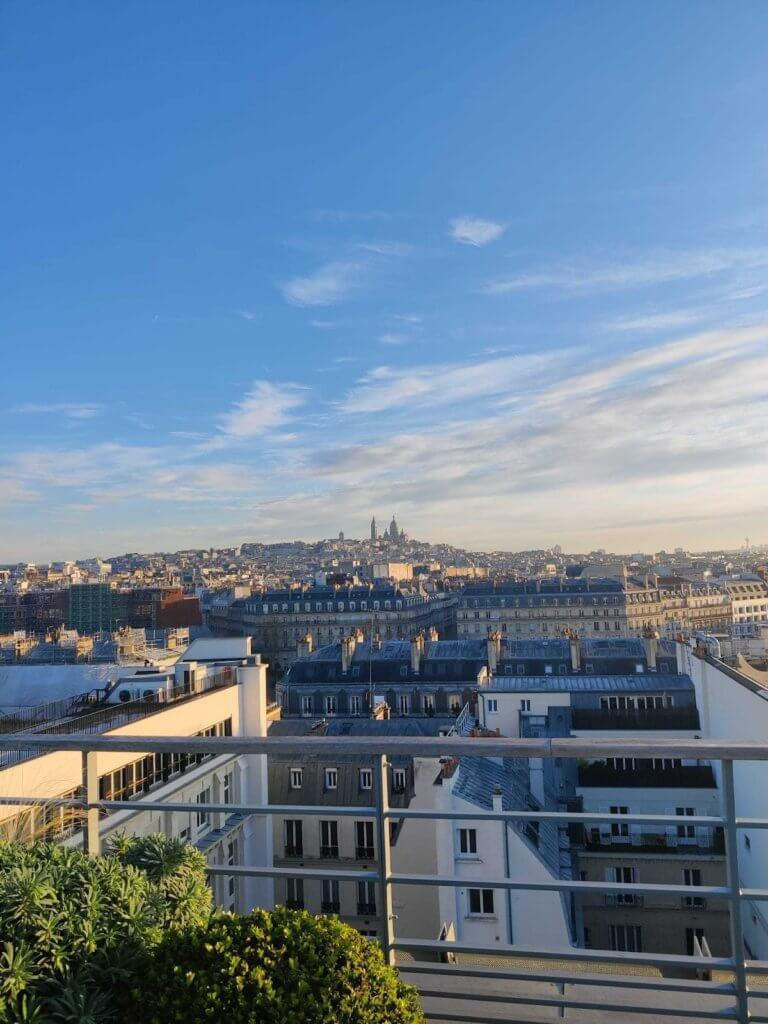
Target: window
x=306, y=705
x=624, y=875
x=492, y=705
x=366, y=897
x=330, y=904
x=694, y=937
x=203, y=818
x=294, y=838
x=686, y=831
x=398, y=780
x=227, y=788
x=355, y=703
x=294, y=893
x=404, y=703
x=329, y=839
x=626, y=938
x=296, y=777
x=480, y=902
x=467, y=841
x=364, y=840
x=331, y=778
x=692, y=876
x=525, y=705
x=366, y=778
x=618, y=829
x=429, y=703
x=330, y=705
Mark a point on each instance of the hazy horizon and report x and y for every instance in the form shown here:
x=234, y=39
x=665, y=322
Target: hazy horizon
x=501, y=268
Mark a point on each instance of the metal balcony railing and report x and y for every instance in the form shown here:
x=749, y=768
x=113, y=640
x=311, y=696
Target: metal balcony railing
x=636, y=718
x=671, y=987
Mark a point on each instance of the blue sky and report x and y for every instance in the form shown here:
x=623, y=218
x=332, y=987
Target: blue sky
x=268, y=268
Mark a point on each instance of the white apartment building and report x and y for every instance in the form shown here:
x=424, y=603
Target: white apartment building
x=749, y=600
x=217, y=688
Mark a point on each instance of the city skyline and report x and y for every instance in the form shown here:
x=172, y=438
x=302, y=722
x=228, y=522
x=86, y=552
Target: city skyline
x=246, y=299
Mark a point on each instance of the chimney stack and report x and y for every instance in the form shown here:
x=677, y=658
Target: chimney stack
x=417, y=650
x=575, y=652
x=348, y=645
x=651, y=641
x=494, y=651
x=304, y=646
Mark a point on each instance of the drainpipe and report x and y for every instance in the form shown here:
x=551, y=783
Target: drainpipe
x=497, y=807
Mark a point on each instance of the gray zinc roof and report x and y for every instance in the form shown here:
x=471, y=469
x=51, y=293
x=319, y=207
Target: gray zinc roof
x=650, y=682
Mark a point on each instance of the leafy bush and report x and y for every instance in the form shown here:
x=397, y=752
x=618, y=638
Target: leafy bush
x=272, y=968
x=75, y=928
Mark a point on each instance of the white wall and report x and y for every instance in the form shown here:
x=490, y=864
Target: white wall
x=732, y=711
x=507, y=718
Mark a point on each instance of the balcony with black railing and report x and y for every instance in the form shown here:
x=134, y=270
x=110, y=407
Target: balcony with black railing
x=639, y=719
x=644, y=774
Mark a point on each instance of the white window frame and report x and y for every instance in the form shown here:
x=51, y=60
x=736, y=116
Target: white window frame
x=486, y=901
x=366, y=778
x=466, y=842
x=296, y=777
x=399, y=780
x=331, y=778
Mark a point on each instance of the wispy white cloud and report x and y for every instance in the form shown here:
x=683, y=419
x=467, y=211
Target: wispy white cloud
x=327, y=285
x=247, y=314
x=386, y=248
x=351, y=216
x=393, y=338
x=409, y=318
x=475, y=231
x=264, y=408
x=72, y=410
x=327, y=325
x=442, y=384
x=650, y=322
x=658, y=268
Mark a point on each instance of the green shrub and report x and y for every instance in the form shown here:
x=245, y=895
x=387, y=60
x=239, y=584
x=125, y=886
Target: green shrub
x=283, y=967
x=75, y=929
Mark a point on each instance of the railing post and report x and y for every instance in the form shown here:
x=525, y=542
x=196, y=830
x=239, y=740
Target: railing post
x=734, y=900
x=385, y=859
x=91, y=837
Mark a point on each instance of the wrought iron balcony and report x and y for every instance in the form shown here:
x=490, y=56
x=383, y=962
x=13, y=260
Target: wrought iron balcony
x=329, y=852
x=364, y=852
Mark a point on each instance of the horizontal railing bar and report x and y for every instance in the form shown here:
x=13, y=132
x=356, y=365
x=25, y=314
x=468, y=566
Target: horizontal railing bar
x=757, y=967
x=568, y=1002
x=398, y=746
x=595, y=980
x=564, y=816
x=367, y=810
x=342, y=874
x=262, y=810
x=603, y=956
x=754, y=894
x=658, y=889
x=751, y=822
x=442, y=1017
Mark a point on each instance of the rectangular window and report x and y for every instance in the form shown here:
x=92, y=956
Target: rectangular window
x=366, y=898
x=306, y=705
x=686, y=831
x=429, y=703
x=624, y=875
x=692, y=876
x=480, y=902
x=203, y=817
x=366, y=778
x=294, y=837
x=398, y=780
x=525, y=705
x=227, y=788
x=294, y=893
x=468, y=841
x=330, y=903
x=296, y=777
x=329, y=839
x=331, y=778
x=403, y=703
x=618, y=829
x=364, y=840
x=355, y=704
x=626, y=938
x=492, y=705
x=330, y=705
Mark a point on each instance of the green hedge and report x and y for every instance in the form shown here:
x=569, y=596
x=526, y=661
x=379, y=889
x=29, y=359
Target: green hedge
x=283, y=967
x=74, y=929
